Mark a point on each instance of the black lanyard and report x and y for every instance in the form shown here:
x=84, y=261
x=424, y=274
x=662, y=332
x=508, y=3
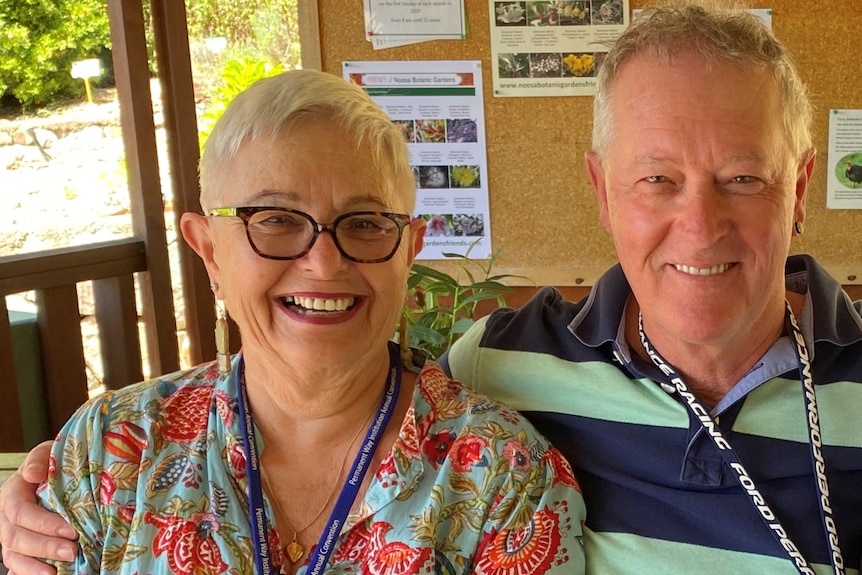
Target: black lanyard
x=702, y=414
x=326, y=544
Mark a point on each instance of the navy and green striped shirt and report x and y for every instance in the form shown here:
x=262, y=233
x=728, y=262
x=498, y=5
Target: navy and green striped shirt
x=659, y=498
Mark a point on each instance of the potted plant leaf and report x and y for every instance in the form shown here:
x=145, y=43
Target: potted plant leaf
x=443, y=306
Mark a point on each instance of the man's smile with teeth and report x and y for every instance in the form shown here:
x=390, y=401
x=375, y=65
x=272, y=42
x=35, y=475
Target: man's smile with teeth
x=710, y=271
x=318, y=304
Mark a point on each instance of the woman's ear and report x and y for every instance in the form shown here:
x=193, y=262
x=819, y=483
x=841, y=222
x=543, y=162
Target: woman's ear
x=417, y=239
x=197, y=232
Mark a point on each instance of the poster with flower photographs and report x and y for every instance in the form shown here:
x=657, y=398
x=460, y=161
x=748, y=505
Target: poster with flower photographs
x=438, y=108
x=844, y=160
x=552, y=47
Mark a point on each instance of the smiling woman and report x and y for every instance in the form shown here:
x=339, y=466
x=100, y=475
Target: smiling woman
x=320, y=444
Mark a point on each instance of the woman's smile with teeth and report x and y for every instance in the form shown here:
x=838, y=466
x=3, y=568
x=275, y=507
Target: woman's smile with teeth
x=318, y=304
x=712, y=270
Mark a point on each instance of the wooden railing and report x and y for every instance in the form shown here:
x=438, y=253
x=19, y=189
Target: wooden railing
x=54, y=276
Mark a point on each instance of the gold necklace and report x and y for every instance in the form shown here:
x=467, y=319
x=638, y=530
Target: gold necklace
x=294, y=550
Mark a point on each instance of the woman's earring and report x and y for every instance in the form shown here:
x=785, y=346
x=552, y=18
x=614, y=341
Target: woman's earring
x=798, y=227
x=221, y=334
x=403, y=344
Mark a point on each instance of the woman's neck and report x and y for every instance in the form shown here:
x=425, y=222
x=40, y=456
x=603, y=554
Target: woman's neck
x=308, y=405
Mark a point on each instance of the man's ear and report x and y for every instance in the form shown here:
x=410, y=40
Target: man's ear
x=596, y=172
x=417, y=239
x=803, y=177
x=198, y=234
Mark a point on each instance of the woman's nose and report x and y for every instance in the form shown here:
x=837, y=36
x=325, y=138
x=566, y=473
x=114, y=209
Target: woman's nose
x=324, y=253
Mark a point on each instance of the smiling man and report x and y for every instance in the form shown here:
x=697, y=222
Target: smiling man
x=708, y=390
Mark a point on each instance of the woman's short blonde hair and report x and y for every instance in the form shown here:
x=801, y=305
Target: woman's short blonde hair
x=720, y=31
x=273, y=105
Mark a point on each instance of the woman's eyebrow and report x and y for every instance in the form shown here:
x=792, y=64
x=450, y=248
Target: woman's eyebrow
x=276, y=197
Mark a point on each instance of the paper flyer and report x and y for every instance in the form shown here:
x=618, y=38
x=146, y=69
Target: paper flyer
x=552, y=48
x=844, y=162
x=438, y=106
x=391, y=23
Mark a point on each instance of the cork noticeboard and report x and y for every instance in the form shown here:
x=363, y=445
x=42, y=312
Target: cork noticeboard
x=542, y=206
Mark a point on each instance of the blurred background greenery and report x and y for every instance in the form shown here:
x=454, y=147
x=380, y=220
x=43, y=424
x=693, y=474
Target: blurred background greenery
x=232, y=43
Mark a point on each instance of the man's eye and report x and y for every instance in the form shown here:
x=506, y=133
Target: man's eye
x=657, y=179
x=744, y=179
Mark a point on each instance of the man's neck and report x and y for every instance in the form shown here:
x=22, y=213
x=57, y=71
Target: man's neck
x=711, y=370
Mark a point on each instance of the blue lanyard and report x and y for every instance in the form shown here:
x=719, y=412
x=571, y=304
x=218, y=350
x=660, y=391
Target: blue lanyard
x=326, y=544
x=701, y=413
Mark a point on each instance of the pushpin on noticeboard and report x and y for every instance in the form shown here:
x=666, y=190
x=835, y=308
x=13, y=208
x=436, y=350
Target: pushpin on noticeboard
x=86, y=69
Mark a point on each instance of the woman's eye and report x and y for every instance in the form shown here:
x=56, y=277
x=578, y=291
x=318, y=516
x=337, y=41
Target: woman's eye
x=364, y=225
x=279, y=221
x=282, y=221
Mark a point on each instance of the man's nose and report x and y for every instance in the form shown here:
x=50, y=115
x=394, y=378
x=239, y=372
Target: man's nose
x=703, y=210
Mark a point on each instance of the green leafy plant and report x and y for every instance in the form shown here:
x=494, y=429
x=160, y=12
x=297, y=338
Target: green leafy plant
x=236, y=76
x=39, y=40
x=444, y=306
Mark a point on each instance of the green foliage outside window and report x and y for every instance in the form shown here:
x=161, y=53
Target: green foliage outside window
x=39, y=40
x=236, y=76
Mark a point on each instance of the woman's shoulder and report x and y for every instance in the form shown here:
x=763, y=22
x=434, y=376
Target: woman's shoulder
x=135, y=401
x=450, y=400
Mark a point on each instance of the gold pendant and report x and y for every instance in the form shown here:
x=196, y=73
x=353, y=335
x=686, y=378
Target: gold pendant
x=294, y=551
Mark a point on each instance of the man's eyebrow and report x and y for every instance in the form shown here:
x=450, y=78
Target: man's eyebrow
x=650, y=160
x=745, y=157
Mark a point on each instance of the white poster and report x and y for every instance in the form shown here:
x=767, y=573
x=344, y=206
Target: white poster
x=844, y=162
x=438, y=106
x=552, y=48
x=391, y=23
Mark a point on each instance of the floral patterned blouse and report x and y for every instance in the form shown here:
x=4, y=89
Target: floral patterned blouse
x=152, y=477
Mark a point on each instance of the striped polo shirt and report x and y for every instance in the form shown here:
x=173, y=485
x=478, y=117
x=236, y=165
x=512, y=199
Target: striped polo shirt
x=659, y=498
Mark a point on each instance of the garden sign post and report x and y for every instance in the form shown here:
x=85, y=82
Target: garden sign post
x=86, y=69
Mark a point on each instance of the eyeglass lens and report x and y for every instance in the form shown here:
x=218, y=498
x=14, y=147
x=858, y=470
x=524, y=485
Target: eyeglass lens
x=361, y=236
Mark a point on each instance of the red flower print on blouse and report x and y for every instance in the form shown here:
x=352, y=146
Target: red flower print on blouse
x=393, y=558
x=437, y=446
x=355, y=545
x=517, y=454
x=52, y=471
x=186, y=413
x=386, y=472
x=236, y=456
x=107, y=488
x=126, y=512
x=467, y=452
x=224, y=407
x=188, y=543
x=562, y=470
x=526, y=551
x=127, y=441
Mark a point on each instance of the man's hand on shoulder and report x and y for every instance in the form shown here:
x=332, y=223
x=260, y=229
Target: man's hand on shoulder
x=26, y=530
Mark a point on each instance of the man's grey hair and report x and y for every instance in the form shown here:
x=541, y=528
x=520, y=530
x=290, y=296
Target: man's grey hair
x=719, y=31
x=272, y=105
